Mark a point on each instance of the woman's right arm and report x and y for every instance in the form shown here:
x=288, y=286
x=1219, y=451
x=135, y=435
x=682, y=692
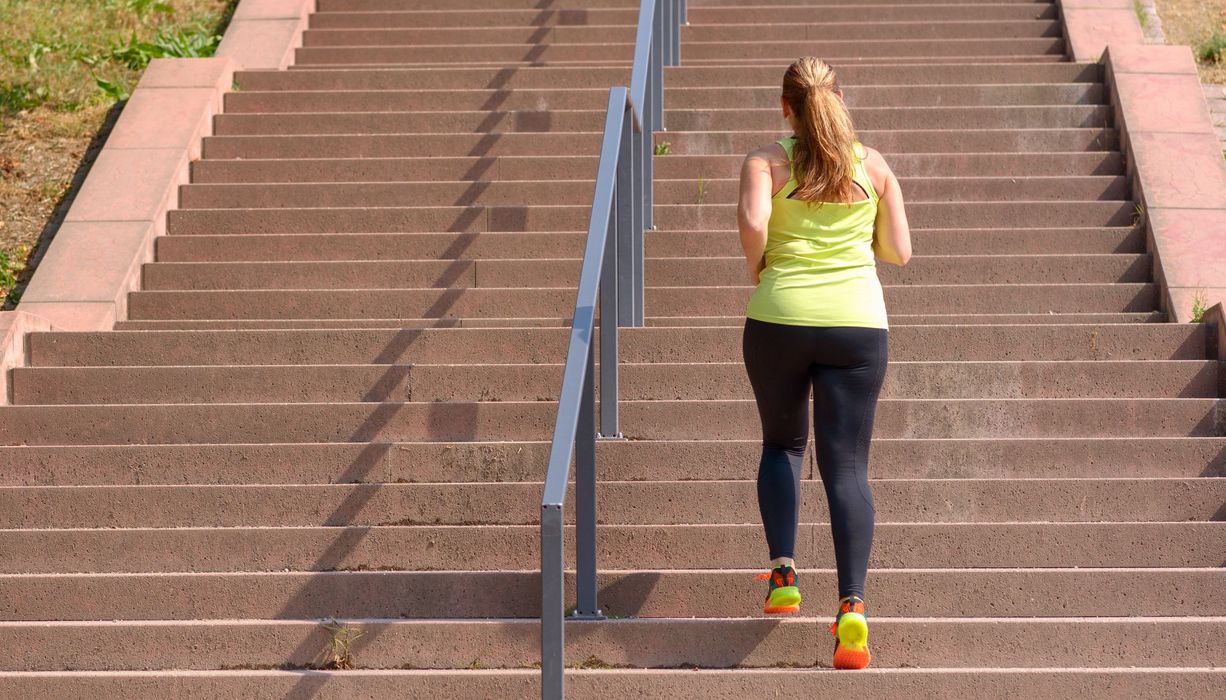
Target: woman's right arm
x=753, y=211
x=892, y=234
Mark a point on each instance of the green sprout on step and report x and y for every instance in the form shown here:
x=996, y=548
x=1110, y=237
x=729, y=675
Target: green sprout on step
x=1198, y=306
x=338, y=652
x=702, y=190
x=662, y=148
x=1138, y=214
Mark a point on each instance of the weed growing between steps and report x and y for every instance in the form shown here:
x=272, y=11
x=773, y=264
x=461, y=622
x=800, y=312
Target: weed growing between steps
x=662, y=148
x=1198, y=306
x=63, y=67
x=338, y=651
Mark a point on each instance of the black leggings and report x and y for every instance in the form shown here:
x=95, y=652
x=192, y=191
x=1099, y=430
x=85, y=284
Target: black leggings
x=845, y=367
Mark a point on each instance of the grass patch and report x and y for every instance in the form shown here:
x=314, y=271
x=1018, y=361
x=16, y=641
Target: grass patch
x=1142, y=17
x=662, y=148
x=1195, y=23
x=63, y=67
x=1211, y=50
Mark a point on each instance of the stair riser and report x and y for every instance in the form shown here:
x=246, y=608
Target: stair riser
x=629, y=503
x=498, y=346
x=619, y=547
x=898, y=320
x=1018, y=593
x=713, y=187
x=934, y=141
x=747, y=643
x=647, y=420
x=850, y=77
x=718, y=142
x=676, y=217
x=728, y=31
x=724, y=51
x=679, y=99
x=660, y=271
x=520, y=168
x=733, y=26
x=665, y=301
x=520, y=461
x=564, y=121
x=541, y=382
x=476, y=246
x=1000, y=684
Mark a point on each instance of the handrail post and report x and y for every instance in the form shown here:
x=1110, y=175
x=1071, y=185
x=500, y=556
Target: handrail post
x=553, y=611
x=585, y=488
x=656, y=68
x=611, y=283
x=623, y=230
x=674, y=31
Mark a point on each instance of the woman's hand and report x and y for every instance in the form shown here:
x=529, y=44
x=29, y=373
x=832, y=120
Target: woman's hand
x=755, y=271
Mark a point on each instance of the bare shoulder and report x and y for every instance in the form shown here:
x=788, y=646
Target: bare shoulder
x=772, y=153
x=878, y=170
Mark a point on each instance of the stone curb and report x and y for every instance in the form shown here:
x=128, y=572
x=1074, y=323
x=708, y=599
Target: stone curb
x=1170, y=145
x=95, y=259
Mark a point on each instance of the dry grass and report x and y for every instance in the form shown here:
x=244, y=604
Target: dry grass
x=1194, y=22
x=63, y=66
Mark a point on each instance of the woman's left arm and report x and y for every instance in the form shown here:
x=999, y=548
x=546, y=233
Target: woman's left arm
x=753, y=211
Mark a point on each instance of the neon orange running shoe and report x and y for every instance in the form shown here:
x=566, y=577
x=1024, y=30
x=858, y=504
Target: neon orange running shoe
x=783, y=597
x=850, y=630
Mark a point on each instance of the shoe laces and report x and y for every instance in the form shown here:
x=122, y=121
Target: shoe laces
x=776, y=577
x=845, y=607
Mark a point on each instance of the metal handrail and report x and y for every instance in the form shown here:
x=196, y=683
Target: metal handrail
x=612, y=274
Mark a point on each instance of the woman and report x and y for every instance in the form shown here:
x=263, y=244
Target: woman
x=815, y=210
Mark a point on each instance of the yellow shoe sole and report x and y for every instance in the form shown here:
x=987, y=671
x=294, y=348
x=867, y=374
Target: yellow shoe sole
x=852, y=651
x=782, y=601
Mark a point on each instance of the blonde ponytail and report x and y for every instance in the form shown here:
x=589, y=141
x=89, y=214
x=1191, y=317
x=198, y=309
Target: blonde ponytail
x=822, y=159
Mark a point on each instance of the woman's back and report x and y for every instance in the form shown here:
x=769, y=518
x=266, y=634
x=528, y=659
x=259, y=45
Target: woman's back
x=819, y=268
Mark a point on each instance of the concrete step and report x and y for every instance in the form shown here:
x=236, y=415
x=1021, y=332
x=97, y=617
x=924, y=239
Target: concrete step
x=1013, y=592
x=540, y=17
x=519, y=460
x=255, y=102
x=710, y=119
x=698, y=188
x=434, y=548
x=641, y=420
x=332, y=6
x=671, y=167
x=683, y=143
x=722, y=51
x=668, y=217
x=735, y=29
x=896, y=320
x=1076, y=642
x=503, y=245
x=527, y=272
x=1107, y=683
x=851, y=76
x=620, y=502
x=921, y=141
x=1054, y=342
x=537, y=382
x=666, y=301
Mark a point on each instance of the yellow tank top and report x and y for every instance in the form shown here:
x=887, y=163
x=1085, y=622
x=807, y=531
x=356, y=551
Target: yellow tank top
x=820, y=269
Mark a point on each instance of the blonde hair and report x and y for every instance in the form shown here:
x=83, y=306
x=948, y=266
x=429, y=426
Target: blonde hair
x=822, y=158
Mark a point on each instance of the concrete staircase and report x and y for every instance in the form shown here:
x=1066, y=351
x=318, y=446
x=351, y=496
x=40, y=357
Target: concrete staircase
x=333, y=393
